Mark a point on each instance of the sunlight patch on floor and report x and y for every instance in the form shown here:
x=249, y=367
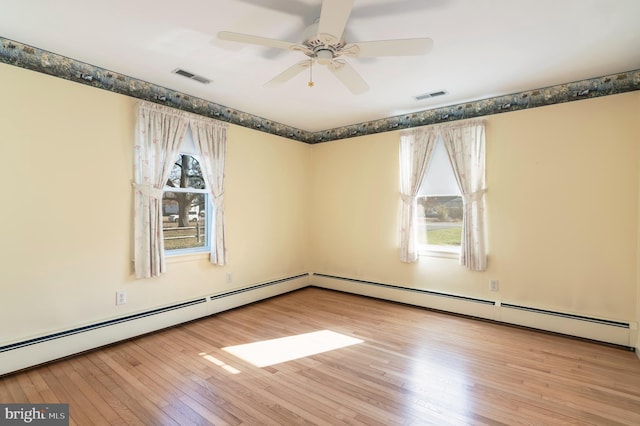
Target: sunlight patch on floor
x=219, y=363
x=276, y=351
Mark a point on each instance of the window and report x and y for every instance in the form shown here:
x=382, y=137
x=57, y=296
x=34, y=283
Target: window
x=186, y=210
x=439, y=206
x=427, y=173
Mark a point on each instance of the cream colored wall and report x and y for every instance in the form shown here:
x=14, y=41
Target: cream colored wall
x=562, y=211
x=65, y=221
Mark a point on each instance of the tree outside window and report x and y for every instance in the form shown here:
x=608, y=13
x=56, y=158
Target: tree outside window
x=185, y=206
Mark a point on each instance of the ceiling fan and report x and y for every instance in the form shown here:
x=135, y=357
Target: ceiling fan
x=323, y=44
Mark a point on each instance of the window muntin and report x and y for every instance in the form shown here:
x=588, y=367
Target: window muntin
x=439, y=205
x=186, y=208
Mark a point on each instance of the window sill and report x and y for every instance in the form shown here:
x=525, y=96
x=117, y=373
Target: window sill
x=439, y=251
x=186, y=257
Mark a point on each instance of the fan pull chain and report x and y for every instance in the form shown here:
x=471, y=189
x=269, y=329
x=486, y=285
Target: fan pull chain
x=310, y=83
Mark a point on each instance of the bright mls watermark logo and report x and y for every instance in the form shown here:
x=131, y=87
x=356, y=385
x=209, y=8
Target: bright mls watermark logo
x=34, y=414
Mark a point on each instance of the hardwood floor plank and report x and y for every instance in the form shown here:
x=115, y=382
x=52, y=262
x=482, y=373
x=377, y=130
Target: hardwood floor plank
x=46, y=395
x=14, y=391
x=117, y=395
x=150, y=405
x=103, y=400
x=93, y=405
x=413, y=367
x=55, y=378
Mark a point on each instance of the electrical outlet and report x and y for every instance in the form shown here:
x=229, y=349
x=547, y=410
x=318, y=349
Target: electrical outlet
x=229, y=277
x=121, y=297
x=494, y=285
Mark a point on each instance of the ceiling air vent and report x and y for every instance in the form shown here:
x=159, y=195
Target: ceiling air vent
x=192, y=76
x=430, y=95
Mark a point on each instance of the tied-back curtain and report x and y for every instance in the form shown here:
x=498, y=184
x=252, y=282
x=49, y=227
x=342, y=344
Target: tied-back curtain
x=416, y=148
x=211, y=141
x=159, y=134
x=465, y=145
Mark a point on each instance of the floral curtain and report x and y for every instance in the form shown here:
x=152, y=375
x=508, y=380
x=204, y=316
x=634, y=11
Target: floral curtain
x=159, y=134
x=210, y=138
x=416, y=148
x=465, y=144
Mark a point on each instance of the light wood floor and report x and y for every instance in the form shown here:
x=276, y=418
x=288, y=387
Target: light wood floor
x=413, y=367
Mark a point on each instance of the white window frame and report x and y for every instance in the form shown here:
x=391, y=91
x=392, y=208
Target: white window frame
x=206, y=248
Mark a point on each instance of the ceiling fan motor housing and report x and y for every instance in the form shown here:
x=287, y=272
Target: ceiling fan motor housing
x=312, y=37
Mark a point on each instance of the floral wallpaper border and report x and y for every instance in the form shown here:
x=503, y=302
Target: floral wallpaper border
x=32, y=58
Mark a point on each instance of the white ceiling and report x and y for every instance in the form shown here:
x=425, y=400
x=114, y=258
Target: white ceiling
x=482, y=48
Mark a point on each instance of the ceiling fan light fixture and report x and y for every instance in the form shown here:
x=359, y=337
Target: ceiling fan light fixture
x=324, y=56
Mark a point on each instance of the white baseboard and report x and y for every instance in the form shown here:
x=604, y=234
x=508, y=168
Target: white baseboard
x=449, y=303
x=229, y=300
x=598, y=329
x=39, y=350
x=594, y=329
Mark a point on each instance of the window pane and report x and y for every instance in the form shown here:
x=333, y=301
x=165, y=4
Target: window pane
x=439, y=178
x=440, y=220
x=184, y=220
x=186, y=173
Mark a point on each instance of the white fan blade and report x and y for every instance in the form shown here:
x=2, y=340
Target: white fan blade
x=261, y=41
x=401, y=47
x=333, y=19
x=288, y=74
x=348, y=76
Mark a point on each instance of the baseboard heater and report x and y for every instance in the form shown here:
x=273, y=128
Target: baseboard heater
x=30, y=352
x=569, y=316
x=409, y=289
x=608, y=331
x=96, y=326
x=257, y=286
x=464, y=305
x=598, y=329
